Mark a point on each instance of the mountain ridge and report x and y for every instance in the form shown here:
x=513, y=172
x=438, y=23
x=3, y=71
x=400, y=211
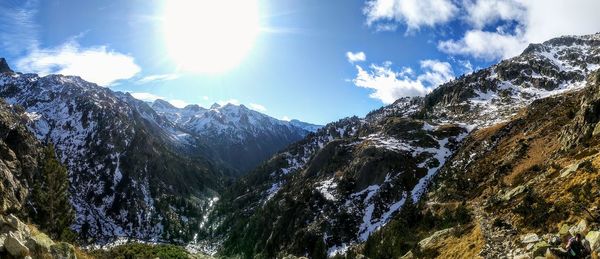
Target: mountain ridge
x=241, y=136
x=327, y=174
x=134, y=173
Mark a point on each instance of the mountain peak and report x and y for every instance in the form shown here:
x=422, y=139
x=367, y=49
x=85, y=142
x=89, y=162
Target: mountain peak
x=193, y=107
x=159, y=103
x=215, y=106
x=4, y=68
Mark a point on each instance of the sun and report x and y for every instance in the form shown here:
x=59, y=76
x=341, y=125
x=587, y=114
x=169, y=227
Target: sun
x=210, y=36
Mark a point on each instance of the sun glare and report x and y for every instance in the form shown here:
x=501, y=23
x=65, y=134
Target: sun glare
x=210, y=36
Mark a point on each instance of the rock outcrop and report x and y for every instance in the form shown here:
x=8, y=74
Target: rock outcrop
x=19, y=240
x=4, y=68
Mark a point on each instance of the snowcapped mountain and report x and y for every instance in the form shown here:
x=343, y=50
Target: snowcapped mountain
x=332, y=190
x=306, y=126
x=129, y=176
x=240, y=136
x=138, y=170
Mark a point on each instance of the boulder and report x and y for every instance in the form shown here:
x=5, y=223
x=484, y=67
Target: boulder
x=564, y=230
x=512, y=193
x=569, y=169
x=530, y=238
x=14, y=246
x=596, y=130
x=3, y=237
x=16, y=224
x=63, y=251
x=39, y=243
x=427, y=242
x=554, y=240
x=580, y=228
x=529, y=246
x=593, y=237
x=522, y=256
x=539, y=249
x=408, y=255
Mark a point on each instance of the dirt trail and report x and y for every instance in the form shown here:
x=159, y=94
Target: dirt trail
x=500, y=241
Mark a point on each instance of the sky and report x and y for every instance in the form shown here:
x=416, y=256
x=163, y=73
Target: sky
x=313, y=60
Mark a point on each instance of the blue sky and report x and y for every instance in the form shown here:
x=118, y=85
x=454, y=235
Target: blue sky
x=313, y=60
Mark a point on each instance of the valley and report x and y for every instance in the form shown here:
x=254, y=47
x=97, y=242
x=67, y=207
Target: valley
x=501, y=162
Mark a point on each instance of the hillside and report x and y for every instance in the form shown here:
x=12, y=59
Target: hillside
x=136, y=173
x=330, y=193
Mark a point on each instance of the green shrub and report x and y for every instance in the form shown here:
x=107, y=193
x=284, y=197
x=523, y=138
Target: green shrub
x=139, y=250
x=53, y=210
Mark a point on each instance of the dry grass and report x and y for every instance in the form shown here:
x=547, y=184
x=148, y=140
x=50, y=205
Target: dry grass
x=538, y=152
x=467, y=245
x=82, y=254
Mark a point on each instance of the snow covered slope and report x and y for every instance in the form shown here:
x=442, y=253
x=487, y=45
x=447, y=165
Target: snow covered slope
x=137, y=170
x=351, y=177
x=241, y=137
x=129, y=177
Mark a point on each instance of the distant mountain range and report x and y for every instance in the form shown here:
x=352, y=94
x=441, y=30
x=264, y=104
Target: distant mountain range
x=479, y=167
x=241, y=137
x=138, y=170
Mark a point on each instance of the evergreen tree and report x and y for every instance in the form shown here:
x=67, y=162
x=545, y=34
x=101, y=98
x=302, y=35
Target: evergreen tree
x=54, y=212
x=410, y=213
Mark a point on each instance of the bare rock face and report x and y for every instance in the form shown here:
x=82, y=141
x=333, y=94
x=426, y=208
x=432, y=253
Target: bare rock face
x=586, y=122
x=4, y=68
x=19, y=153
x=14, y=246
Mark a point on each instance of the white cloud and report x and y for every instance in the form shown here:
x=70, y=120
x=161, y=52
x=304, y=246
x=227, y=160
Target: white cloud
x=435, y=72
x=257, y=107
x=483, y=12
x=389, y=85
x=231, y=101
x=551, y=18
x=148, y=97
x=178, y=103
x=154, y=78
x=96, y=64
x=18, y=30
x=536, y=21
x=285, y=118
x=205, y=98
x=484, y=45
x=356, y=57
x=517, y=22
x=414, y=13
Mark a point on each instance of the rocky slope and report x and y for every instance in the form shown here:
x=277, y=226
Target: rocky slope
x=20, y=154
x=540, y=181
x=18, y=240
x=329, y=193
x=19, y=157
x=241, y=137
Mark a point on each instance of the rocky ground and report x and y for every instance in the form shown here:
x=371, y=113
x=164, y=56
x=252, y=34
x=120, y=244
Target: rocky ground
x=19, y=240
